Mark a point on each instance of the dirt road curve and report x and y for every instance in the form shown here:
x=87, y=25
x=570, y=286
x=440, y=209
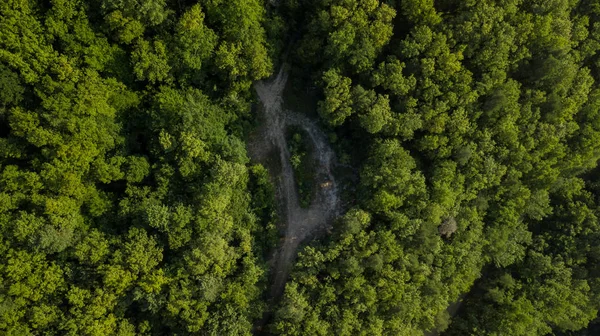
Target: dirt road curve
x=300, y=223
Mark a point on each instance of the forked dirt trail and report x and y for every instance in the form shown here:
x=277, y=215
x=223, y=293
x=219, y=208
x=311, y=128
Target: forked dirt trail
x=300, y=222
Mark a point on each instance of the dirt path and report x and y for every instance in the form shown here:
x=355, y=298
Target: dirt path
x=300, y=223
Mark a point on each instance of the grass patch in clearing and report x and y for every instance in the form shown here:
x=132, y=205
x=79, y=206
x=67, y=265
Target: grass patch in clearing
x=303, y=163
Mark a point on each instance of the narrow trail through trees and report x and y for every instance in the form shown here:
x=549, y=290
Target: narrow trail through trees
x=300, y=223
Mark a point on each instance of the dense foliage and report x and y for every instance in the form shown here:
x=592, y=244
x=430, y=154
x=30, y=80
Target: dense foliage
x=124, y=183
x=128, y=204
x=480, y=113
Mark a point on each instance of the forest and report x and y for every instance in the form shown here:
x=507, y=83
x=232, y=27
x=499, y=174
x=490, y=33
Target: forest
x=130, y=205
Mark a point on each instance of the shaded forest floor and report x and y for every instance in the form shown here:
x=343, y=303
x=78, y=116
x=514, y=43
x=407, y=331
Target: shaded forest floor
x=268, y=146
